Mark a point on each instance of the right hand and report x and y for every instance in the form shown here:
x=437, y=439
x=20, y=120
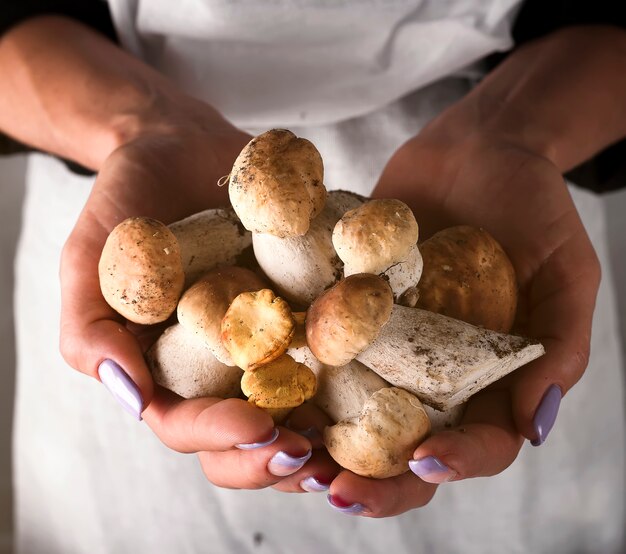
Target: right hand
x=167, y=173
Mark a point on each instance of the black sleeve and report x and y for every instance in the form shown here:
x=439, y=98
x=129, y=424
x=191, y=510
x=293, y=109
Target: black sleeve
x=94, y=13
x=607, y=170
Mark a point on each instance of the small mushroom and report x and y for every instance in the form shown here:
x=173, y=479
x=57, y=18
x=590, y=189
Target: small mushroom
x=140, y=270
x=380, y=237
x=210, y=239
x=257, y=328
x=380, y=441
x=302, y=267
x=467, y=275
x=277, y=184
x=181, y=362
x=279, y=386
x=204, y=304
x=346, y=318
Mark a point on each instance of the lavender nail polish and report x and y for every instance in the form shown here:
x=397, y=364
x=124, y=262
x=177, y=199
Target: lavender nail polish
x=255, y=445
x=344, y=507
x=312, y=484
x=282, y=464
x=546, y=413
x=122, y=387
x=431, y=469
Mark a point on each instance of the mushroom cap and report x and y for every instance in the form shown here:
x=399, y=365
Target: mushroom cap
x=345, y=319
x=257, y=328
x=281, y=383
x=468, y=276
x=375, y=236
x=379, y=442
x=182, y=363
x=277, y=184
x=140, y=270
x=203, y=305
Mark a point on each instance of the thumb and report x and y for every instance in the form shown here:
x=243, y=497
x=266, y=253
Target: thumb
x=94, y=338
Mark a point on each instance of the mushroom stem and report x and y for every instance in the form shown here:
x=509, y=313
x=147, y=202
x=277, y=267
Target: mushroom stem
x=443, y=361
x=302, y=267
x=210, y=239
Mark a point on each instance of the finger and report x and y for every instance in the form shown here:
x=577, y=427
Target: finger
x=355, y=495
x=485, y=444
x=316, y=476
x=207, y=424
x=560, y=306
x=94, y=338
x=260, y=467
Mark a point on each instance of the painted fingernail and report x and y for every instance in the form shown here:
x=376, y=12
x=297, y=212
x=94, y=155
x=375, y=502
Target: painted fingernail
x=432, y=470
x=313, y=484
x=122, y=387
x=339, y=504
x=546, y=413
x=282, y=464
x=255, y=445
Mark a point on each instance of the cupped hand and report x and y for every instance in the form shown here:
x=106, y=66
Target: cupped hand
x=519, y=196
x=167, y=173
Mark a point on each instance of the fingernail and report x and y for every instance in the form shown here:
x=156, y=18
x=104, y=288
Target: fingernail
x=121, y=386
x=255, y=445
x=313, y=484
x=432, y=470
x=546, y=413
x=282, y=464
x=339, y=504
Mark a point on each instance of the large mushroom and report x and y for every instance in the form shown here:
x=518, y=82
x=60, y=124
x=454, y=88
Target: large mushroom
x=443, y=361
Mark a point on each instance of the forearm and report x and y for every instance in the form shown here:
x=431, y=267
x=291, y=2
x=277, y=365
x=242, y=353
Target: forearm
x=68, y=90
x=562, y=96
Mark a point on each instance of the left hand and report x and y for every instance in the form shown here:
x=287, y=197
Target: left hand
x=520, y=197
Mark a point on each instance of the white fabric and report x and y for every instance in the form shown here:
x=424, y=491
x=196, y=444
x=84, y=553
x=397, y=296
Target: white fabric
x=90, y=479
x=300, y=62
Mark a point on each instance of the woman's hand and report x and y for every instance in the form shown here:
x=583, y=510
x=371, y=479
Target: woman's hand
x=168, y=173
x=519, y=196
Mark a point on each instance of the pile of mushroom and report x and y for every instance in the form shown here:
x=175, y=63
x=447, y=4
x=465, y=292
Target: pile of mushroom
x=344, y=309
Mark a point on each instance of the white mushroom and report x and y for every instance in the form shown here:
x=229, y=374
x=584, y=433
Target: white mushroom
x=380, y=237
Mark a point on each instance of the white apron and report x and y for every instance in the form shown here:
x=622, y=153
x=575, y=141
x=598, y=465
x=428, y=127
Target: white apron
x=90, y=479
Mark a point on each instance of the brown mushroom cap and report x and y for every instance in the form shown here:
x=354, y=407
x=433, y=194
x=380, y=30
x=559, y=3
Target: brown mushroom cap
x=203, y=305
x=141, y=272
x=257, y=328
x=346, y=318
x=375, y=236
x=277, y=184
x=279, y=385
x=468, y=276
x=380, y=441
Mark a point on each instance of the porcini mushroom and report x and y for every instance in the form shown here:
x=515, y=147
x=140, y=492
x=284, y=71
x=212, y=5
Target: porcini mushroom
x=279, y=386
x=276, y=185
x=468, y=276
x=380, y=441
x=203, y=305
x=443, y=361
x=181, y=362
x=380, y=237
x=257, y=328
x=346, y=318
x=140, y=270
